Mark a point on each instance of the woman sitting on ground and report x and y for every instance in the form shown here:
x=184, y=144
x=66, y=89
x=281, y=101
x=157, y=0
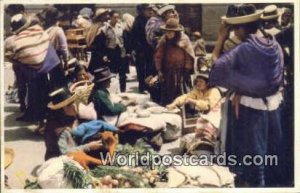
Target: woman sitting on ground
x=101, y=97
x=62, y=125
x=202, y=96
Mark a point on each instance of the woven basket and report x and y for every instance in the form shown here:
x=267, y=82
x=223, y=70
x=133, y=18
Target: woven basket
x=83, y=90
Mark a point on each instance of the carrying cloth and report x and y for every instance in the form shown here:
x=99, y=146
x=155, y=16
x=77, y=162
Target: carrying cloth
x=253, y=68
x=30, y=46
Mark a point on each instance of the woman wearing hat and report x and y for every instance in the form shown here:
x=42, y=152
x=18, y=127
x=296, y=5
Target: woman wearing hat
x=95, y=40
x=33, y=58
x=253, y=70
x=203, y=97
x=100, y=96
x=174, y=61
x=270, y=20
x=63, y=126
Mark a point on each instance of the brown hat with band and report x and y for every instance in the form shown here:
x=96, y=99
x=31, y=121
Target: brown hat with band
x=60, y=98
x=172, y=24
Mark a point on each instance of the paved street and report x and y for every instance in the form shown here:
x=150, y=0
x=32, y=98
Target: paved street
x=29, y=146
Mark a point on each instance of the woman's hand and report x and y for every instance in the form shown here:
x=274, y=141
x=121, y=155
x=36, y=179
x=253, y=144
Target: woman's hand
x=224, y=31
x=171, y=107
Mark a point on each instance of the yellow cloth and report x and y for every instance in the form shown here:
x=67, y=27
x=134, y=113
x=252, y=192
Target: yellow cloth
x=205, y=101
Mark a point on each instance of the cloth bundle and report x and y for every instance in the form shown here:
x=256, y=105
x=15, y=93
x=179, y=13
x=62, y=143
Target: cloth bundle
x=29, y=46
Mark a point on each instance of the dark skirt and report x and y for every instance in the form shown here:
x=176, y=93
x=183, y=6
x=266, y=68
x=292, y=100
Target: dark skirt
x=254, y=133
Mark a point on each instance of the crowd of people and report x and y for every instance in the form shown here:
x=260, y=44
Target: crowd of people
x=251, y=69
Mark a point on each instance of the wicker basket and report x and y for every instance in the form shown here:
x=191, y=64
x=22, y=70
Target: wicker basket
x=83, y=90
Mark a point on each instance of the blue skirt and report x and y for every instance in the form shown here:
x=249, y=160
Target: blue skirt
x=254, y=133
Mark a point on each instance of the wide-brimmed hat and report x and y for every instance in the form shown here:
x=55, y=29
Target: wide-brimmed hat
x=270, y=12
x=19, y=22
x=102, y=74
x=172, y=24
x=101, y=11
x=204, y=75
x=61, y=98
x=86, y=12
x=241, y=14
x=162, y=8
x=9, y=155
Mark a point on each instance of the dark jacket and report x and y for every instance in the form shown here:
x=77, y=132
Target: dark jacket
x=103, y=105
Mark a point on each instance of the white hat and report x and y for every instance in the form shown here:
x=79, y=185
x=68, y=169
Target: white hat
x=270, y=12
x=161, y=9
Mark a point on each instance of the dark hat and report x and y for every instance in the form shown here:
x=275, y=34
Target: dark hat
x=144, y=6
x=19, y=22
x=102, y=74
x=172, y=24
x=61, y=98
x=242, y=13
x=52, y=13
x=14, y=9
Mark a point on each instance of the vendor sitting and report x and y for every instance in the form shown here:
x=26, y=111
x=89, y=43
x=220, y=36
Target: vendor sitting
x=101, y=97
x=202, y=96
x=62, y=127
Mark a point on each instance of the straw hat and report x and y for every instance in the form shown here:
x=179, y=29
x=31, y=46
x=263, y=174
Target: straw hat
x=172, y=24
x=102, y=74
x=61, y=98
x=101, y=11
x=202, y=75
x=270, y=12
x=241, y=14
x=197, y=34
x=9, y=155
x=19, y=22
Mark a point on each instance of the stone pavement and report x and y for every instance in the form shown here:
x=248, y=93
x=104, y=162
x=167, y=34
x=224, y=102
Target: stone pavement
x=29, y=146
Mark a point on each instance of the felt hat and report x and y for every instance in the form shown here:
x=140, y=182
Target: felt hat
x=162, y=8
x=52, y=13
x=172, y=24
x=144, y=6
x=61, y=98
x=270, y=12
x=102, y=74
x=9, y=155
x=241, y=14
x=19, y=22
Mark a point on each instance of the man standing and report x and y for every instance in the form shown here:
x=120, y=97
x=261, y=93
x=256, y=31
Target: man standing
x=141, y=47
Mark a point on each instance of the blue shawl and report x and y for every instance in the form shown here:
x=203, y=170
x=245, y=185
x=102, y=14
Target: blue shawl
x=253, y=68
